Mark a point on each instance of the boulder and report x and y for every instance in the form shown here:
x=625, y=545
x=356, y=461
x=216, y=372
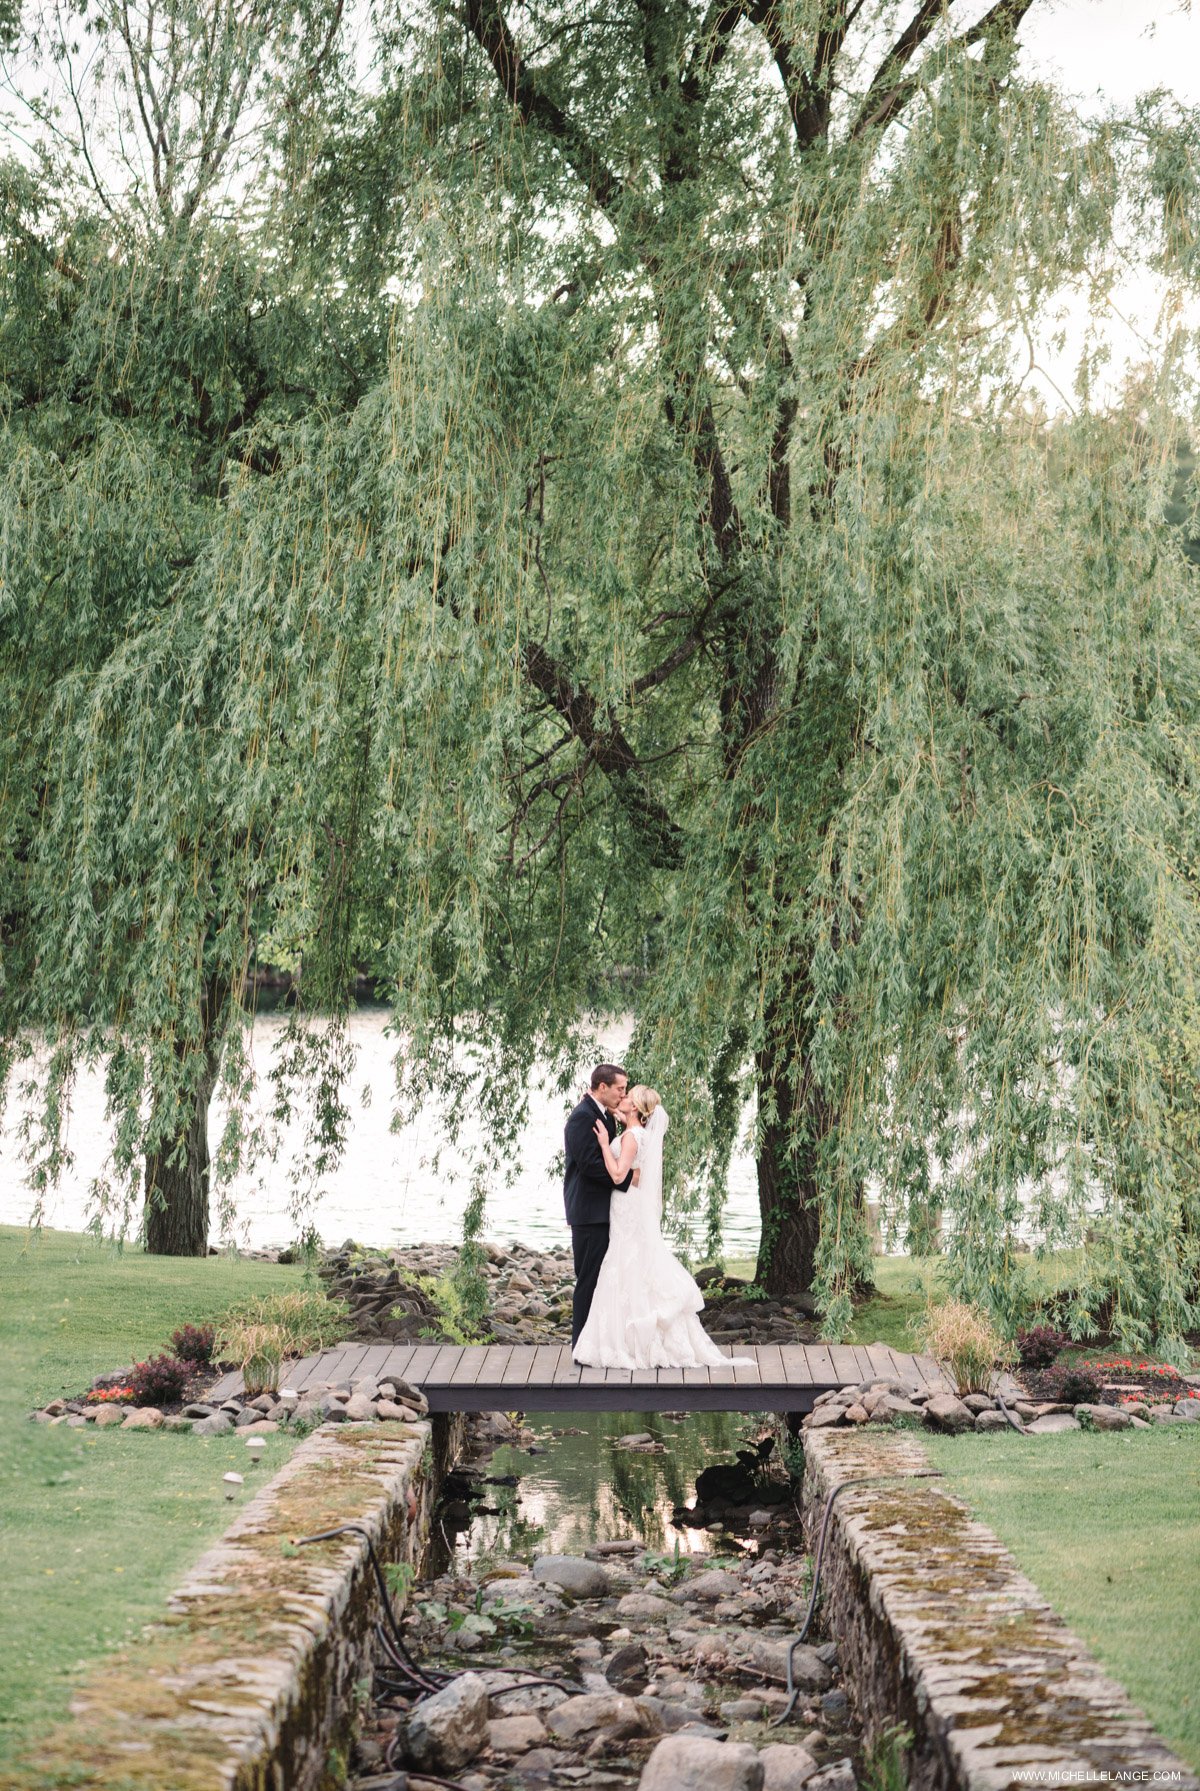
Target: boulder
x=809, y=1671
x=979, y=1402
x=602, y=1710
x=1104, y=1417
x=572, y=1575
x=398, y=1414
x=109, y=1415
x=945, y=1412
x=448, y=1729
x=991, y=1421
x=786, y=1768
x=626, y=1671
x=838, y=1777
x=516, y=1734
x=823, y=1415
x=1052, y=1422
x=147, y=1418
x=219, y=1425
x=693, y=1763
x=713, y=1584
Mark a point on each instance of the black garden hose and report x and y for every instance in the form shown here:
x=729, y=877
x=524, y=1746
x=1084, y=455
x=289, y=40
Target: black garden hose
x=818, y=1561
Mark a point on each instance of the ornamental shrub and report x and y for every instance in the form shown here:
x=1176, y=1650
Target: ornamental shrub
x=965, y=1344
x=194, y=1344
x=160, y=1381
x=1076, y=1385
x=1040, y=1346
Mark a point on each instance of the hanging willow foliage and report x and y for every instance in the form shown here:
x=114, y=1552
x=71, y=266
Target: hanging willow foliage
x=691, y=584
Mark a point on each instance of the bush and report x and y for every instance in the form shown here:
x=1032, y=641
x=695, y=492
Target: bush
x=194, y=1344
x=1040, y=1346
x=966, y=1345
x=1078, y=1385
x=160, y=1381
x=258, y=1351
x=307, y=1320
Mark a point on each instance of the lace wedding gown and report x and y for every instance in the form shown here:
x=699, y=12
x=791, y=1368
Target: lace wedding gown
x=644, y=1310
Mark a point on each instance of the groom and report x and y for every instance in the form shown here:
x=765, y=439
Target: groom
x=587, y=1185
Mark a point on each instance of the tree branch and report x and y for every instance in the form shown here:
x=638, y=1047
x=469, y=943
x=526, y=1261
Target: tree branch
x=606, y=747
x=532, y=105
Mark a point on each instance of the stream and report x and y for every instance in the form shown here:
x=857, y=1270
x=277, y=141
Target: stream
x=611, y=1600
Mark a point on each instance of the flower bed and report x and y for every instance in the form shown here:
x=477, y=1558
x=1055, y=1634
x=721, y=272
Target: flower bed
x=1122, y=1380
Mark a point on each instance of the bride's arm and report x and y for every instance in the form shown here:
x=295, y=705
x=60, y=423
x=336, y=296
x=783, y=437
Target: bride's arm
x=616, y=1164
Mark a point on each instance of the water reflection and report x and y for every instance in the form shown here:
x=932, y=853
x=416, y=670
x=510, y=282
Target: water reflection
x=584, y=1489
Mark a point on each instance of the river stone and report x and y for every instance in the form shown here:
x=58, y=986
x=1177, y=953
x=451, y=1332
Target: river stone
x=808, y=1669
x=198, y=1410
x=626, y=1671
x=602, y=1710
x=448, y=1729
x=516, y=1734
x=518, y=1700
x=359, y=1409
x=1055, y=1421
x=693, y=1763
x=838, y=1777
x=714, y=1584
x=113, y=1414
x=945, y=1412
x=578, y=1578
x=786, y=1768
x=402, y=1414
x=979, y=1402
x=823, y=1415
x=643, y=1607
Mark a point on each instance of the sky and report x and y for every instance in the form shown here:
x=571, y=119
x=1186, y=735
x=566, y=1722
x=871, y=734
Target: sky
x=1105, y=53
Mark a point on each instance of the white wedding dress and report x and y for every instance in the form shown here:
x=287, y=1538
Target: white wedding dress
x=644, y=1310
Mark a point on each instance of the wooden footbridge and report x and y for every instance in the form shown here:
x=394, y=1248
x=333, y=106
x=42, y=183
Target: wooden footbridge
x=784, y=1377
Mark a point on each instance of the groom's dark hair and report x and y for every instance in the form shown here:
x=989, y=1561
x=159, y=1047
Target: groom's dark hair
x=607, y=1074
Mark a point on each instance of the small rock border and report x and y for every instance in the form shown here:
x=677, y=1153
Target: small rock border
x=363, y=1401
x=887, y=1402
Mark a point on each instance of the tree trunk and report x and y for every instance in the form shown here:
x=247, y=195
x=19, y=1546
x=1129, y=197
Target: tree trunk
x=176, y=1210
x=789, y=1178
x=787, y=1190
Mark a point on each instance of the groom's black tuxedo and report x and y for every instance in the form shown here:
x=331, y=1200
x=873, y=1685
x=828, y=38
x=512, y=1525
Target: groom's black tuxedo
x=587, y=1191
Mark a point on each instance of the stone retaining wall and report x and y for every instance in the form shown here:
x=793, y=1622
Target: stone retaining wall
x=939, y=1630
x=253, y=1679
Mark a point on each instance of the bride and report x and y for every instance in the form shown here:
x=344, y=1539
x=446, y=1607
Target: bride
x=643, y=1313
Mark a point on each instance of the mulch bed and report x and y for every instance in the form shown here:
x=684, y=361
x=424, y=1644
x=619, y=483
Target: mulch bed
x=1123, y=1381
x=195, y=1390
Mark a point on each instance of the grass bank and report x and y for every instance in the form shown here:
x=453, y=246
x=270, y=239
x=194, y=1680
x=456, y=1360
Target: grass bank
x=1108, y=1527
x=96, y=1528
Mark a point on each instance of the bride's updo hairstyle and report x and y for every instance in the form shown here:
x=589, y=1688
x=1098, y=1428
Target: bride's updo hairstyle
x=645, y=1099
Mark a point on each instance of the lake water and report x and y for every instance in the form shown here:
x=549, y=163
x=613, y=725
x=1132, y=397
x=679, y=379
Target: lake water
x=384, y=1191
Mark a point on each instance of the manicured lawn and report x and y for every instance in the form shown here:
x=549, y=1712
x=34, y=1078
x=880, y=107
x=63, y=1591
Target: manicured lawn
x=1108, y=1527
x=96, y=1528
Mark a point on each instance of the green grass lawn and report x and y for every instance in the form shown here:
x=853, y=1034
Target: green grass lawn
x=96, y=1528
x=1108, y=1527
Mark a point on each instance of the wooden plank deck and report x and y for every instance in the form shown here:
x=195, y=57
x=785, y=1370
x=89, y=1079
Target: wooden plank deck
x=543, y=1378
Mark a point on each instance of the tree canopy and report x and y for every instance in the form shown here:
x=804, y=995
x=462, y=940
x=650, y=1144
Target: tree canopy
x=594, y=515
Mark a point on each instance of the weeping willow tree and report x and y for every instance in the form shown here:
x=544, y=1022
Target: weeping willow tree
x=152, y=314
x=700, y=591
x=739, y=616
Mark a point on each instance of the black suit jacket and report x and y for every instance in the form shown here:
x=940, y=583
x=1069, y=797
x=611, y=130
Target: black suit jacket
x=587, y=1185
